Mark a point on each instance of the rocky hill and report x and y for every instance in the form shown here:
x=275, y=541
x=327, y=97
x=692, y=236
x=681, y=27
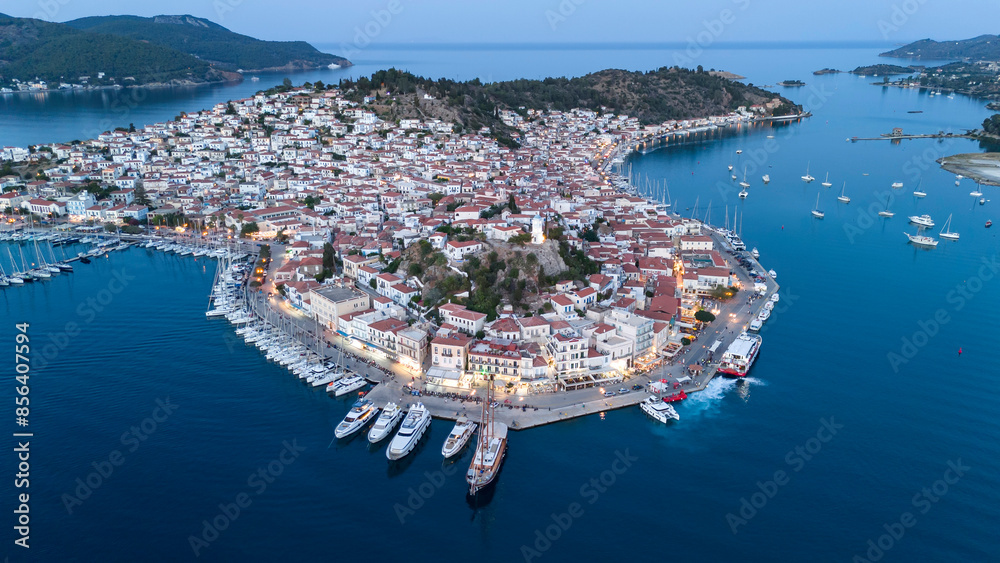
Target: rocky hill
x=211, y=42
x=984, y=47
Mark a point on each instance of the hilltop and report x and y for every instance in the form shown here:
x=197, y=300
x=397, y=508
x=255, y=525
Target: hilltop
x=652, y=97
x=212, y=43
x=984, y=47
x=33, y=49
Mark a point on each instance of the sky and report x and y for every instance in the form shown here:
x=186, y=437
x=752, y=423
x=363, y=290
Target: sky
x=558, y=21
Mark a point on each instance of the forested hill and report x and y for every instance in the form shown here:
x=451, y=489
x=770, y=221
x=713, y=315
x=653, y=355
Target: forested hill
x=212, y=43
x=652, y=97
x=984, y=47
x=33, y=49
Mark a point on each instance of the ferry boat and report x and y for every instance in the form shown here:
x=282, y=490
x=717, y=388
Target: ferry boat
x=922, y=220
x=414, y=425
x=385, y=423
x=360, y=414
x=490, y=449
x=740, y=355
x=921, y=240
x=659, y=410
x=458, y=437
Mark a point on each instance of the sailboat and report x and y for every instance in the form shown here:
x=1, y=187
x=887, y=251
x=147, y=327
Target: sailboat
x=921, y=240
x=885, y=212
x=816, y=212
x=744, y=183
x=490, y=449
x=826, y=183
x=843, y=198
x=946, y=233
x=917, y=192
x=977, y=192
x=807, y=178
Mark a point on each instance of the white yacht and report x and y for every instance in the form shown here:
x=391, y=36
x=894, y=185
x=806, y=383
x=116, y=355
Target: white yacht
x=386, y=423
x=349, y=384
x=897, y=185
x=756, y=325
x=659, y=410
x=921, y=240
x=775, y=298
x=763, y=315
x=755, y=253
x=360, y=414
x=417, y=420
x=458, y=437
x=922, y=220
x=826, y=183
x=766, y=178
x=885, y=212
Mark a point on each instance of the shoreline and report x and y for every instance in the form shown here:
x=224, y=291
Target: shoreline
x=981, y=167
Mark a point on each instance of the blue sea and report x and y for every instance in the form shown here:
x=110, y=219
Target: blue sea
x=861, y=435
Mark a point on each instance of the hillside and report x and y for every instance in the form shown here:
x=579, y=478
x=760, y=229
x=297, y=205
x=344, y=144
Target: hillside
x=984, y=47
x=31, y=49
x=211, y=42
x=653, y=97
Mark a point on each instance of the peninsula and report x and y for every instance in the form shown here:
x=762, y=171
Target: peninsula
x=439, y=259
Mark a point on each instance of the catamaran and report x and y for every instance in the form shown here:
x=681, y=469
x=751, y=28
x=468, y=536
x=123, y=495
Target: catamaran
x=946, y=233
x=386, y=423
x=414, y=425
x=491, y=448
x=740, y=355
x=458, y=437
x=807, y=178
x=659, y=410
x=348, y=385
x=360, y=414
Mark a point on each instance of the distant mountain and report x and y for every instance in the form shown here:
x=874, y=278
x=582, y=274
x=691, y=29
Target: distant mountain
x=212, y=43
x=32, y=49
x=984, y=47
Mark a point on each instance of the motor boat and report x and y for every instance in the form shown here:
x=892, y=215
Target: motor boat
x=386, y=422
x=458, y=437
x=363, y=412
x=659, y=410
x=416, y=422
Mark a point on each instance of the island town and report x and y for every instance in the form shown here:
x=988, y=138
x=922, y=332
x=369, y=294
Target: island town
x=442, y=266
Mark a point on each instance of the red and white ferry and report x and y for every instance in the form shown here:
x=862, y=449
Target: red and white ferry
x=740, y=355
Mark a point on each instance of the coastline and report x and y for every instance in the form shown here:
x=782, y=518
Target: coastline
x=981, y=167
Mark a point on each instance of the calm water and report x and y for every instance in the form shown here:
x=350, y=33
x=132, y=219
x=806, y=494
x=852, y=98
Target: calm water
x=849, y=296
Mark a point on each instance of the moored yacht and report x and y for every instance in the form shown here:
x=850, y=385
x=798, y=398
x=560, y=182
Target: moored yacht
x=458, y=437
x=659, y=410
x=349, y=384
x=921, y=240
x=360, y=414
x=490, y=449
x=385, y=423
x=417, y=420
x=740, y=355
x=922, y=220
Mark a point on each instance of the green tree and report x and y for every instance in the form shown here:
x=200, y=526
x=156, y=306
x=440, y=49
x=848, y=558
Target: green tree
x=704, y=316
